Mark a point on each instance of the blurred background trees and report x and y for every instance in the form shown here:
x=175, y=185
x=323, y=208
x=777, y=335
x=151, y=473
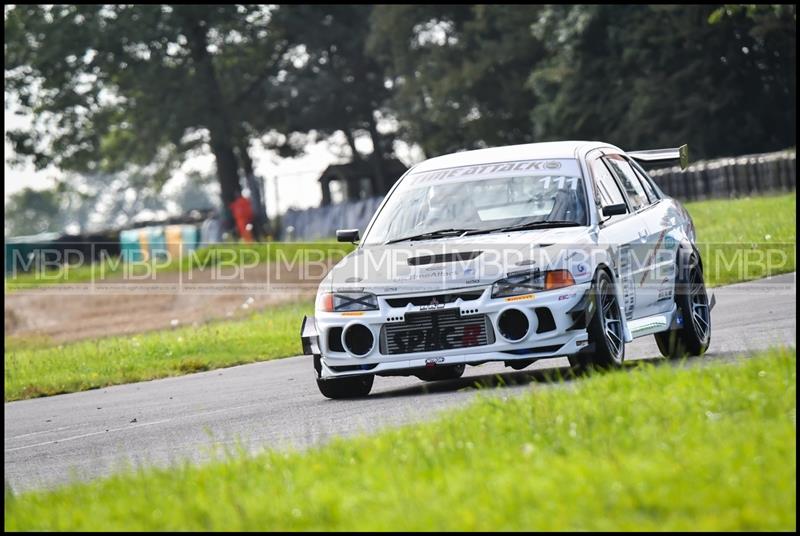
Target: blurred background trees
x=130, y=93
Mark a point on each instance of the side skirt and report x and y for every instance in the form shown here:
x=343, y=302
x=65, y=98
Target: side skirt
x=653, y=324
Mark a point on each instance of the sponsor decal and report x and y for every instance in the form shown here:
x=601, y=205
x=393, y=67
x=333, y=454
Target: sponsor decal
x=433, y=305
x=628, y=283
x=353, y=313
x=520, y=298
x=497, y=168
x=669, y=242
x=566, y=296
x=581, y=268
x=433, y=361
x=664, y=294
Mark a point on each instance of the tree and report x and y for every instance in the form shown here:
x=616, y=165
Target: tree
x=30, y=212
x=458, y=72
x=332, y=84
x=120, y=88
x=657, y=76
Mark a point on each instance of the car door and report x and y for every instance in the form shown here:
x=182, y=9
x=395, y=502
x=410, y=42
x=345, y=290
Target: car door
x=623, y=233
x=648, y=233
x=665, y=223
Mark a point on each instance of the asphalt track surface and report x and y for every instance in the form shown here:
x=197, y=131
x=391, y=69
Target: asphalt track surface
x=275, y=404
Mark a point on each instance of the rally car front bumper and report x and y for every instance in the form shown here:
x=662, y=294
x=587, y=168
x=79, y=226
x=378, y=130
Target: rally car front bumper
x=401, y=339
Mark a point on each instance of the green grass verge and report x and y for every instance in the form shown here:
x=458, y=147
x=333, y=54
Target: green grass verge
x=709, y=448
x=37, y=368
x=226, y=254
x=746, y=239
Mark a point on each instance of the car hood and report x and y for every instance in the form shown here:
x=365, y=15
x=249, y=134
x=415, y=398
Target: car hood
x=455, y=262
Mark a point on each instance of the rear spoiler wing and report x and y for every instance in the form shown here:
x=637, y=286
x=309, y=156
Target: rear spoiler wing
x=656, y=156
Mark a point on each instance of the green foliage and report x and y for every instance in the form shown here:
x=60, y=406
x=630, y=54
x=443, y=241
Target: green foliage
x=458, y=72
x=655, y=76
x=135, y=88
x=333, y=85
x=709, y=448
x=721, y=79
x=29, y=212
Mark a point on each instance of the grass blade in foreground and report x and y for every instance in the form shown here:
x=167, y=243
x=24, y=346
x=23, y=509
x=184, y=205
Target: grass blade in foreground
x=651, y=448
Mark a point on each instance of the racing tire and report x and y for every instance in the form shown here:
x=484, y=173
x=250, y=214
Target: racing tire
x=694, y=335
x=348, y=387
x=439, y=373
x=605, y=329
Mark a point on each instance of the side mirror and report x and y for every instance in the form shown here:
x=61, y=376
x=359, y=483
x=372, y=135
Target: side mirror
x=347, y=235
x=615, y=210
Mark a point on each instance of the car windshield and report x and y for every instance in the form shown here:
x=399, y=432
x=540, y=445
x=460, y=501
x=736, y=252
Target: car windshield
x=482, y=198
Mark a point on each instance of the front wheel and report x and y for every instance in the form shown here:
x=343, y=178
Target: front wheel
x=605, y=328
x=348, y=387
x=694, y=335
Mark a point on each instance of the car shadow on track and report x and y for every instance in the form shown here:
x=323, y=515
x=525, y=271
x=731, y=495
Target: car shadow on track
x=550, y=376
x=487, y=381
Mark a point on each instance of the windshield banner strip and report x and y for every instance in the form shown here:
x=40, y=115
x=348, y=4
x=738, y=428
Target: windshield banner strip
x=564, y=166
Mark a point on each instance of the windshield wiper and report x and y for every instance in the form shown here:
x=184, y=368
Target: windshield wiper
x=529, y=225
x=431, y=234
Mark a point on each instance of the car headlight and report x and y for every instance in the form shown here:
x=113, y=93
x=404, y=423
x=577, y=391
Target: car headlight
x=347, y=301
x=531, y=281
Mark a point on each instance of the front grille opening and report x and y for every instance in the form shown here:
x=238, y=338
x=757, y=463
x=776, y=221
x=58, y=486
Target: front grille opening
x=434, y=331
x=468, y=295
x=335, y=339
x=545, y=320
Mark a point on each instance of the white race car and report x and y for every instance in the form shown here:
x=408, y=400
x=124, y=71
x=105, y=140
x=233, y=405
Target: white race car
x=511, y=254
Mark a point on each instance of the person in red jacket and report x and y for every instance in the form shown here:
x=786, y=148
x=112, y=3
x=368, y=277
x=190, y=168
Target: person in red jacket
x=242, y=212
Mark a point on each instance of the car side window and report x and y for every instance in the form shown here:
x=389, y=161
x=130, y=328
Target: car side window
x=606, y=187
x=622, y=169
x=647, y=182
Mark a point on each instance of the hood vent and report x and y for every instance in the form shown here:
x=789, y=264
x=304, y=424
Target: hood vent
x=443, y=257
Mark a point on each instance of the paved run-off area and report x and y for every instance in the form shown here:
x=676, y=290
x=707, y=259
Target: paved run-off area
x=49, y=441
